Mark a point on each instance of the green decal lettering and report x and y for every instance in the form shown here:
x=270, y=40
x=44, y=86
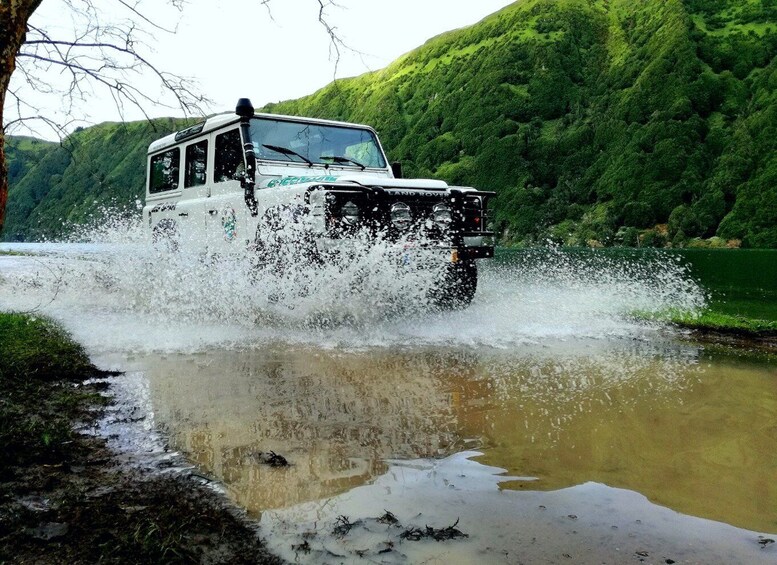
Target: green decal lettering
x=291, y=180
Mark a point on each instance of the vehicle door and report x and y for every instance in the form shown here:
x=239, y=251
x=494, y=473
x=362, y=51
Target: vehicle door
x=226, y=212
x=163, y=193
x=190, y=212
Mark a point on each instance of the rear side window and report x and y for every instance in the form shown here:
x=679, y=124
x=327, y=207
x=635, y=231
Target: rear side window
x=229, y=155
x=196, y=164
x=164, y=171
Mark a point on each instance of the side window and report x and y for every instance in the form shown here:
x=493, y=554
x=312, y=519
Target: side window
x=196, y=164
x=229, y=155
x=164, y=171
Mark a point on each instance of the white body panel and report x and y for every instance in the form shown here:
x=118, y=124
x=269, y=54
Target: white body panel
x=212, y=215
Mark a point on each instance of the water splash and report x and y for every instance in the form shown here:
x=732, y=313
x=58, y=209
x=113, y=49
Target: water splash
x=116, y=291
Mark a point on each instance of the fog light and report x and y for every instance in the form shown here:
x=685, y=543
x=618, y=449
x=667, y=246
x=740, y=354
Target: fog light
x=441, y=214
x=350, y=213
x=400, y=216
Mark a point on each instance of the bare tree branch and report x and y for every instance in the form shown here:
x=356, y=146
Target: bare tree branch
x=334, y=40
x=135, y=11
x=103, y=55
x=336, y=43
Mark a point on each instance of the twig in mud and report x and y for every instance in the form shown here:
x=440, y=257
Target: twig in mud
x=272, y=459
x=438, y=534
x=388, y=518
x=303, y=547
x=763, y=542
x=412, y=534
x=389, y=547
x=342, y=526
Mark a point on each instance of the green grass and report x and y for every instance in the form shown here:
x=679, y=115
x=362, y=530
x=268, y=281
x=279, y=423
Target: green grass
x=111, y=517
x=35, y=348
x=39, y=366
x=712, y=321
x=716, y=321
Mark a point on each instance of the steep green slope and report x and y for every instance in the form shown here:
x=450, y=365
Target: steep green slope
x=594, y=120
x=632, y=122
x=24, y=155
x=55, y=185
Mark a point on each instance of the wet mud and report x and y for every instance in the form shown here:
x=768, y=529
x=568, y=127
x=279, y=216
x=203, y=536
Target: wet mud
x=83, y=504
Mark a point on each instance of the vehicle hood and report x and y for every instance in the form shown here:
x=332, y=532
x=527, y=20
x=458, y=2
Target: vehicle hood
x=426, y=184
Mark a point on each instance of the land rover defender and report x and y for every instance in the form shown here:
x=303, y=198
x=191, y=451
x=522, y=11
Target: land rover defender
x=236, y=180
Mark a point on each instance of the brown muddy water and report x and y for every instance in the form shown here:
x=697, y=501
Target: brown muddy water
x=602, y=451
x=544, y=422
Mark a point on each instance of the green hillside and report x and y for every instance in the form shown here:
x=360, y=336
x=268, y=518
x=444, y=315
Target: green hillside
x=616, y=122
x=53, y=186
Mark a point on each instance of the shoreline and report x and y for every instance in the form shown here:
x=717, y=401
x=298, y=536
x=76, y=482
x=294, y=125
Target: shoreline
x=737, y=331
x=66, y=497
x=69, y=498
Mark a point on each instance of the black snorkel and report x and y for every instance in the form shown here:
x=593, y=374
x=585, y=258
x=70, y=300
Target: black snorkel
x=245, y=110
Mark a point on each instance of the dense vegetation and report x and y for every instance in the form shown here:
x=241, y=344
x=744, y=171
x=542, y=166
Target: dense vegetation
x=628, y=122
x=53, y=186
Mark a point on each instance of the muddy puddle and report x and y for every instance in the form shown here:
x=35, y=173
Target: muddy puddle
x=598, y=450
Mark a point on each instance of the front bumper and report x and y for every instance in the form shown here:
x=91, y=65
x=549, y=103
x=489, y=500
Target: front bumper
x=469, y=253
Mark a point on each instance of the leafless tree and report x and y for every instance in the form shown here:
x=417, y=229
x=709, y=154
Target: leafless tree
x=98, y=54
x=94, y=55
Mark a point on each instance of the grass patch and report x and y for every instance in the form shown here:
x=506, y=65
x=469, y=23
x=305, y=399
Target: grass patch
x=63, y=496
x=726, y=323
x=39, y=399
x=36, y=349
x=717, y=322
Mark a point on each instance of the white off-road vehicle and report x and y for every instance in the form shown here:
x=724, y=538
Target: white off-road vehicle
x=236, y=181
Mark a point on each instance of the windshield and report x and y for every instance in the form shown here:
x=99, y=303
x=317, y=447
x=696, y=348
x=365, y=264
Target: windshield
x=280, y=140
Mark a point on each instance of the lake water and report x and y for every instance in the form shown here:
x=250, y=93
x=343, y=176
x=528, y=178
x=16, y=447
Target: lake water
x=545, y=419
x=737, y=281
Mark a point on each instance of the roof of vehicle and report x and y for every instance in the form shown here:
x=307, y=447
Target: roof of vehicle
x=220, y=120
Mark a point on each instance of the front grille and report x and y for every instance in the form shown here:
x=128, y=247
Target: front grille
x=375, y=205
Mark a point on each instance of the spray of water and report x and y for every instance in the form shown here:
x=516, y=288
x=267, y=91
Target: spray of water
x=118, y=291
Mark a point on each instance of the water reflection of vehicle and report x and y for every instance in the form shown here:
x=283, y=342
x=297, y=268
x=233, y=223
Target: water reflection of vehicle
x=684, y=429
x=335, y=418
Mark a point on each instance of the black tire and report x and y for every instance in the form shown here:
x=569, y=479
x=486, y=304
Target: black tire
x=457, y=286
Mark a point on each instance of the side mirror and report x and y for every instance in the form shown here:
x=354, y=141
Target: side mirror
x=396, y=169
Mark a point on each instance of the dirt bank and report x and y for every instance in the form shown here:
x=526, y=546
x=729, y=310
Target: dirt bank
x=64, y=498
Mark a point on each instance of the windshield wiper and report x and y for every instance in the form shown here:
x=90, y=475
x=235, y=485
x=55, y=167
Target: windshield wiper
x=339, y=159
x=287, y=151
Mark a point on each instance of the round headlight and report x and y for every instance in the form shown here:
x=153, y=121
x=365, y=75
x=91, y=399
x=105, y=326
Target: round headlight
x=441, y=214
x=350, y=213
x=400, y=215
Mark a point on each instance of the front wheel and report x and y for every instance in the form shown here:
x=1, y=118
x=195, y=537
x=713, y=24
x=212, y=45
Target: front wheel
x=165, y=236
x=457, y=285
x=283, y=241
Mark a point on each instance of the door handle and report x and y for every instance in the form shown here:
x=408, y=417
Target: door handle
x=183, y=214
x=213, y=212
